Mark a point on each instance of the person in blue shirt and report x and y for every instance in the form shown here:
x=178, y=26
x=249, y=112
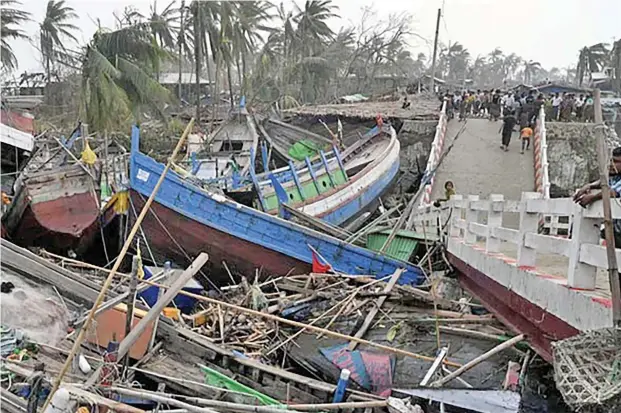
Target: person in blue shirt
x=589, y=194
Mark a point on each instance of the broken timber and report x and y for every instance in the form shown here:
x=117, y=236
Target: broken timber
x=378, y=304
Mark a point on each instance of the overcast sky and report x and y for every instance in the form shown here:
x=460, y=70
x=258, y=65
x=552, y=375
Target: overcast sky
x=548, y=31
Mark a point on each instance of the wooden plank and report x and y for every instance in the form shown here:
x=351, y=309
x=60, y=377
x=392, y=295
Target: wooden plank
x=378, y=304
x=317, y=223
x=157, y=308
x=75, y=290
x=47, y=264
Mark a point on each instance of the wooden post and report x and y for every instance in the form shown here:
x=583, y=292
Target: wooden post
x=471, y=216
x=482, y=357
x=494, y=220
x=529, y=222
x=456, y=203
x=157, y=308
x=585, y=231
x=78, y=341
x=435, y=52
x=613, y=272
x=131, y=298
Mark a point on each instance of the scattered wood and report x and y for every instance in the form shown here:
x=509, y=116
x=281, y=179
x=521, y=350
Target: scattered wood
x=378, y=304
x=507, y=344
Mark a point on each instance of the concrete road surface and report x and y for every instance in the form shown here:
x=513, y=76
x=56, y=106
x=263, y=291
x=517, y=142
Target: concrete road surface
x=478, y=166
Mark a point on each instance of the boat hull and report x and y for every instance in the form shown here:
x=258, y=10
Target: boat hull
x=202, y=221
x=360, y=194
x=57, y=210
x=184, y=237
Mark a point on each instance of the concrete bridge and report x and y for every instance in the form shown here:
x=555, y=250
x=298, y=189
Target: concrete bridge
x=548, y=287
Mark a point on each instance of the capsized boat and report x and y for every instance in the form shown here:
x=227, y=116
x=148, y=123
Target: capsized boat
x=228, y=150
x=186, y=219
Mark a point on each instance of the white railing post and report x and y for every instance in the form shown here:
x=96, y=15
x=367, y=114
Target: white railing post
x=471, y=216
x=456, y=203
x=529, y=222
x=544, y=155
x=585, y=231
x=494, y=220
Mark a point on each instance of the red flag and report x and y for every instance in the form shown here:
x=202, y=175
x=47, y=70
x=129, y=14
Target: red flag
x=318, y=267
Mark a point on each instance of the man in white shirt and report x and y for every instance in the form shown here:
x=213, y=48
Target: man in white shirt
x=556, y=105
x=579, y=106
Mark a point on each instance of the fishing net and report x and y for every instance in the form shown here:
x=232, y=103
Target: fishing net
x=587, y=370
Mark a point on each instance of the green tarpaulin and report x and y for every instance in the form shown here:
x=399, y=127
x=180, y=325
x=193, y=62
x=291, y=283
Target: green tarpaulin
x=304, y=148
x=217, y=379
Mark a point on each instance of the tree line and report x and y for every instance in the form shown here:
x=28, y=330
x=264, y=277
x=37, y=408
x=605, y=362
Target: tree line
x=264, y=51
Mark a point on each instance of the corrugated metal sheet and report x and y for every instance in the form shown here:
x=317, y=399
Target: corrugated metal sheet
x=401, y=247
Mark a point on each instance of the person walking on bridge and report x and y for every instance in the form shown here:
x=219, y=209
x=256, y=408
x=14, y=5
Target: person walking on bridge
x=526, y=133
x=509, y=122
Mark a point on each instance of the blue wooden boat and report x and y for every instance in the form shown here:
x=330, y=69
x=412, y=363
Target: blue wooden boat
x=186, y=219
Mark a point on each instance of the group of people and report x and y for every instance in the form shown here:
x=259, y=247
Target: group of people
x=514, y=110
x=518, y=109
x=567, y=107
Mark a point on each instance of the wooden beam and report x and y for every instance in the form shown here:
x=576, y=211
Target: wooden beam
x=482, y=357
x=378, y=304
x=157, y=308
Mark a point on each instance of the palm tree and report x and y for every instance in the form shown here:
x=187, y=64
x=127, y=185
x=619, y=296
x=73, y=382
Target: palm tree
x=53, y=29
x=591, y=59
x=457, y=56
x=312, y=35
x=117, y=76
x=313, y=31
x=162, y=27
x=496, y=62
x=419, y=64
x=529, y=69
x=249, y=21
x=511, y=64
x=11, y=18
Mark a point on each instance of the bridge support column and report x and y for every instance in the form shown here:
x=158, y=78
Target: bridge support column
x=494, y=220
x=529, y=222
x=585, y=231
x=472, y=215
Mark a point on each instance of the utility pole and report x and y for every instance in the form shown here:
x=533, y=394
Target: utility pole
x=613, y=272
x=435, y=52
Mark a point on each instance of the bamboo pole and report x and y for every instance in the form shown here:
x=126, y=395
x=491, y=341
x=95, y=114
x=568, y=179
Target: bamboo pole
x=482, y=357
x=306, y=326
x=602, y=155
x=117, y=264
x=239, y=407
x=131, y=299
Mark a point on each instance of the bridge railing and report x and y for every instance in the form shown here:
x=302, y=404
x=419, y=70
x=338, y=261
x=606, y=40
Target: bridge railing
x=473, y=220
x=434, y=154
x=542, y=177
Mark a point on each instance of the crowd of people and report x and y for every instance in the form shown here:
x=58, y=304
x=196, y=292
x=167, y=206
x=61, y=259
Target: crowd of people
x=520, y=109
